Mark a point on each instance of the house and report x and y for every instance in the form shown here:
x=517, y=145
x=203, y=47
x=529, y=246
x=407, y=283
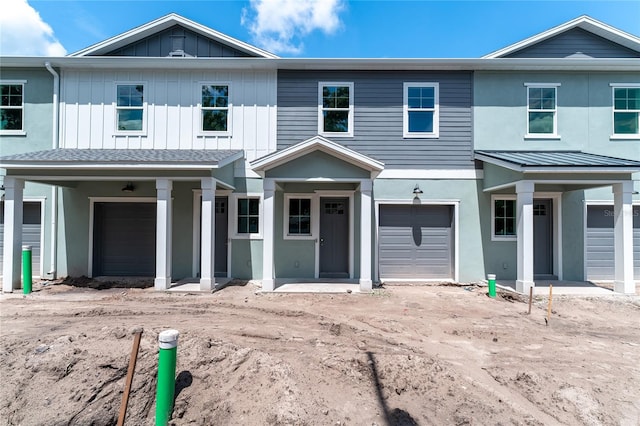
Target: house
x=560, y=144
x=181, y=152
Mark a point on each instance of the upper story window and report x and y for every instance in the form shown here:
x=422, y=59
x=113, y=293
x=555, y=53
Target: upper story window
x=626, y=111
x=335, y=109
x=12, y=107
x=542, y=109
x=214, y=108
x=130, y=106
x=421, y=110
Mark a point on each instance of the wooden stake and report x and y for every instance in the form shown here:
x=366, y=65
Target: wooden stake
x=530, y=297
x=546, y=320
x=132, y=366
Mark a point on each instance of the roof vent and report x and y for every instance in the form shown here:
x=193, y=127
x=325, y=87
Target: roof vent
x=177, y=46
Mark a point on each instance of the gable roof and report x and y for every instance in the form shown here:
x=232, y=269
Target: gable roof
x=163, y=23
x=316, y=143
x=583, y=22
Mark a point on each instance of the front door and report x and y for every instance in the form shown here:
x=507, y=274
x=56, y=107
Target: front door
x=543, y=237
x=222, y=215
x=222, y=236
x=334, y=238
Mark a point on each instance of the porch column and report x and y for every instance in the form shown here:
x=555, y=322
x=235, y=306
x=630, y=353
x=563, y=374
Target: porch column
x=13, y=191
x=163, y=235
x=623, y=238
x=208, y=234
x=524, y=232
x=269, y=187
x=365, y=236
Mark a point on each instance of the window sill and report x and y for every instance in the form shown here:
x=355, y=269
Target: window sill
x=530, y=136
x=246, y=237
x=336, y=135
x=624, y=137
x=13, y=133
x=421, y=136
x=213, y=134
x=511, y=238
x=299, y=237
x=129, y=134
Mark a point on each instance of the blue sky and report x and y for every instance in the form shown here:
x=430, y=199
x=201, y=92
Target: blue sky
x=326, y=28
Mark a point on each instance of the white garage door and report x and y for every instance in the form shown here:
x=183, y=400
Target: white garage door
x=31, y=232
x=600, y=242
x=416, y=242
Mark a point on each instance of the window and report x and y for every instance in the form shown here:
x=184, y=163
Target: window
x=335, y=112
x=214, y=108
x=299, y=216
x=541, y=109
x=626, y=110
x=12, y=108
x=421, y=110
x=248, y=215
x=504, y=218
x=130, y=108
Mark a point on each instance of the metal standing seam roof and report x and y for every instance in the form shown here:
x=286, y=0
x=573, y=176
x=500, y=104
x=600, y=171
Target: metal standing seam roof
x=68, y=156
x=557, y=159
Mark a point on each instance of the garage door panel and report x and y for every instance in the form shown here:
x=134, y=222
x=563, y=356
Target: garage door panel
x=415, y=242
x=31, y=232
x=600, y=241
x=124, y=239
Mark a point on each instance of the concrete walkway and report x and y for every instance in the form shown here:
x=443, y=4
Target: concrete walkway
x=578, y=288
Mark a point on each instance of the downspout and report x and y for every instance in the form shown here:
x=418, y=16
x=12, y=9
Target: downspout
x=54, y=189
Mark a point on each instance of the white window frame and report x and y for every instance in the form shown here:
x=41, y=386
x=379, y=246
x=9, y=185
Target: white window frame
x=144, y=108
x=555, y=134
x=615, y=86
x=503, y=197
x=21, y=131
x=233, y=219
x=321, y=109
x=228, y=108
x=314, y=214
x=435, y=110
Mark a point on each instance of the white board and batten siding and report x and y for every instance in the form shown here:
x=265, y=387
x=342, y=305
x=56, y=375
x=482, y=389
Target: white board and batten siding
x=172, y=116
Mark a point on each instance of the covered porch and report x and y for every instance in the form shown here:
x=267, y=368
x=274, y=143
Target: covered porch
x=117, y=215
x=533, y=184
x=317, y=215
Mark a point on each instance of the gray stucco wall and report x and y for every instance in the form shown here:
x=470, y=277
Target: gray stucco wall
x=378, y=132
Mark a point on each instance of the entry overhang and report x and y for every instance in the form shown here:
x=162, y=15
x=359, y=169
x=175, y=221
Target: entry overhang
x=317, y=143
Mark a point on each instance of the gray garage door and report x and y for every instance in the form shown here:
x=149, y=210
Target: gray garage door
x=600, y=261
x=31, y=232
x=124, y=239
x=416, y=242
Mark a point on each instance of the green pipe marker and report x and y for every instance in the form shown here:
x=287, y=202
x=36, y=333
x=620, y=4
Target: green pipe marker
x=165, y=391
x=27, y=275
x=492, y=285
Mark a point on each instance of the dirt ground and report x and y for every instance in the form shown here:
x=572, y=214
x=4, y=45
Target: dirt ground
x=403, y=355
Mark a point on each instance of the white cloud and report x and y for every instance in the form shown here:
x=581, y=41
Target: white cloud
x=24, y=33
x=280, y=25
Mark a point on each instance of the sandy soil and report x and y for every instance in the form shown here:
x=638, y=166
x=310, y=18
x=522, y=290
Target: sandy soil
x=404, y=355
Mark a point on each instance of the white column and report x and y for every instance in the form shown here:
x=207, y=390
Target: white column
x=163, y=235
x=208, y=234
x=13, y=190
x=365, y=236
x=524, y=230
x=623, y=238
x=269, y=186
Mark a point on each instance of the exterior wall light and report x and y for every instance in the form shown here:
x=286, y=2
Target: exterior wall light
x=129, y=187
x=417, y=191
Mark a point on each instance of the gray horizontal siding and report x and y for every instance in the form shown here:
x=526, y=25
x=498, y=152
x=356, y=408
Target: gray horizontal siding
x=162, y=43
x=575, y=42
x=378, y=98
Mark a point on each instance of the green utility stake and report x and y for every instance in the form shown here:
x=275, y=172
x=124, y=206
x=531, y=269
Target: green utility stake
x=27, y=276
x=168, y=342
x=492, y=285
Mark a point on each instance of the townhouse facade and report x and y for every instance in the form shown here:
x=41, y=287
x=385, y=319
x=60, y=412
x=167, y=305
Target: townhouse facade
x=174, y=151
